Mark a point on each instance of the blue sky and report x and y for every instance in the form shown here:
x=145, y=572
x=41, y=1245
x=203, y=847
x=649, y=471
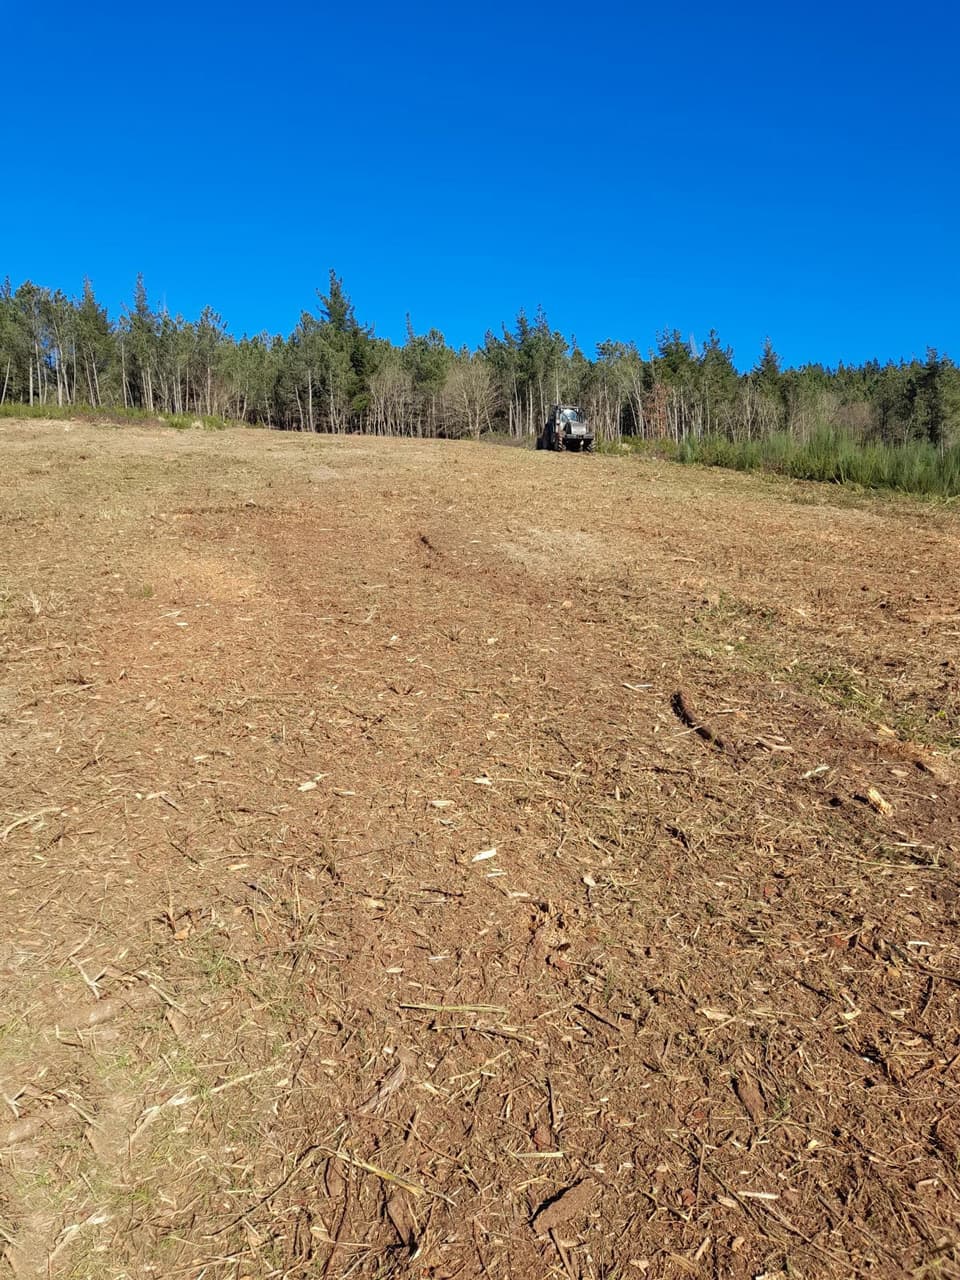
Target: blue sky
x=784, y=170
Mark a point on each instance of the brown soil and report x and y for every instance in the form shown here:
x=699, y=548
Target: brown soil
x=435, y=860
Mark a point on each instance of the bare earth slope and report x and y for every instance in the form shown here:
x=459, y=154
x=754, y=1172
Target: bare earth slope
x=426, y=859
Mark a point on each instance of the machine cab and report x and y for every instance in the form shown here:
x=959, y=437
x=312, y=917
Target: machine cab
x=566, y=428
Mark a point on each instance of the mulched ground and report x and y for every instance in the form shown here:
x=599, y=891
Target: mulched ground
x=435, y=860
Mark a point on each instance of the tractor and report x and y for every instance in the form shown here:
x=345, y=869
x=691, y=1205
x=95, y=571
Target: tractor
x=566, y=428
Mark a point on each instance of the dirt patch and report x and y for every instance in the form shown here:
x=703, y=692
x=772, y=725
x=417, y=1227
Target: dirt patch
x=470, y=862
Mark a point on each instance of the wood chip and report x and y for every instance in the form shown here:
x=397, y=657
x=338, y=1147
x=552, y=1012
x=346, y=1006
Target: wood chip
x=135, y=998
x=30, y=1126
x=571, y=1203
x=751, y=1097
x=877, y=802
x=375, y=1104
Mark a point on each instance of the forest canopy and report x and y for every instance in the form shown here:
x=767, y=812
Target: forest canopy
x=333, y=373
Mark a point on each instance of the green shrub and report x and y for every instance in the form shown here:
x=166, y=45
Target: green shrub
x=10, y=409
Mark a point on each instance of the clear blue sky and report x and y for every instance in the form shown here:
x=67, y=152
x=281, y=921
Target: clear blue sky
x=761, y=168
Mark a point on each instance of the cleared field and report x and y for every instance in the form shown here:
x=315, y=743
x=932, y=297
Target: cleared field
x=429, y=859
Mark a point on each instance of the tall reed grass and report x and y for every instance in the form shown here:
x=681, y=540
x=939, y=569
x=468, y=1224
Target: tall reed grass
x=832, y=456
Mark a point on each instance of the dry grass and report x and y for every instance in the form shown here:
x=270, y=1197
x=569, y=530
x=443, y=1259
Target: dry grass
x=267, y=1011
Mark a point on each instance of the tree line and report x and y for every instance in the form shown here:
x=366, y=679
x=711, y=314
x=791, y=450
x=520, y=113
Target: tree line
x=333, y=373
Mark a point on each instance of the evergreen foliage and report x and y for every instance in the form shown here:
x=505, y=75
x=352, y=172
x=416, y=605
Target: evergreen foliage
x=894, y=424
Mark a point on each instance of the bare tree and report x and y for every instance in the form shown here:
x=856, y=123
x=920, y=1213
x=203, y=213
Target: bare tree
x=469, y=395
x=391, y=395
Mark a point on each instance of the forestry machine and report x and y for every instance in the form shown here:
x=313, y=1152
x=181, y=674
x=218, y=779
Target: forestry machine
x=566, y=428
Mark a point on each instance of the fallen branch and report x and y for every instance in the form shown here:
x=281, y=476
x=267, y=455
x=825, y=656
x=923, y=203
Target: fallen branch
x=683, y=711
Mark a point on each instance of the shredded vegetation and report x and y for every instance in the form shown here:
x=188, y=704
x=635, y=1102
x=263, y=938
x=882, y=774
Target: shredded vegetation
x=423, y=860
